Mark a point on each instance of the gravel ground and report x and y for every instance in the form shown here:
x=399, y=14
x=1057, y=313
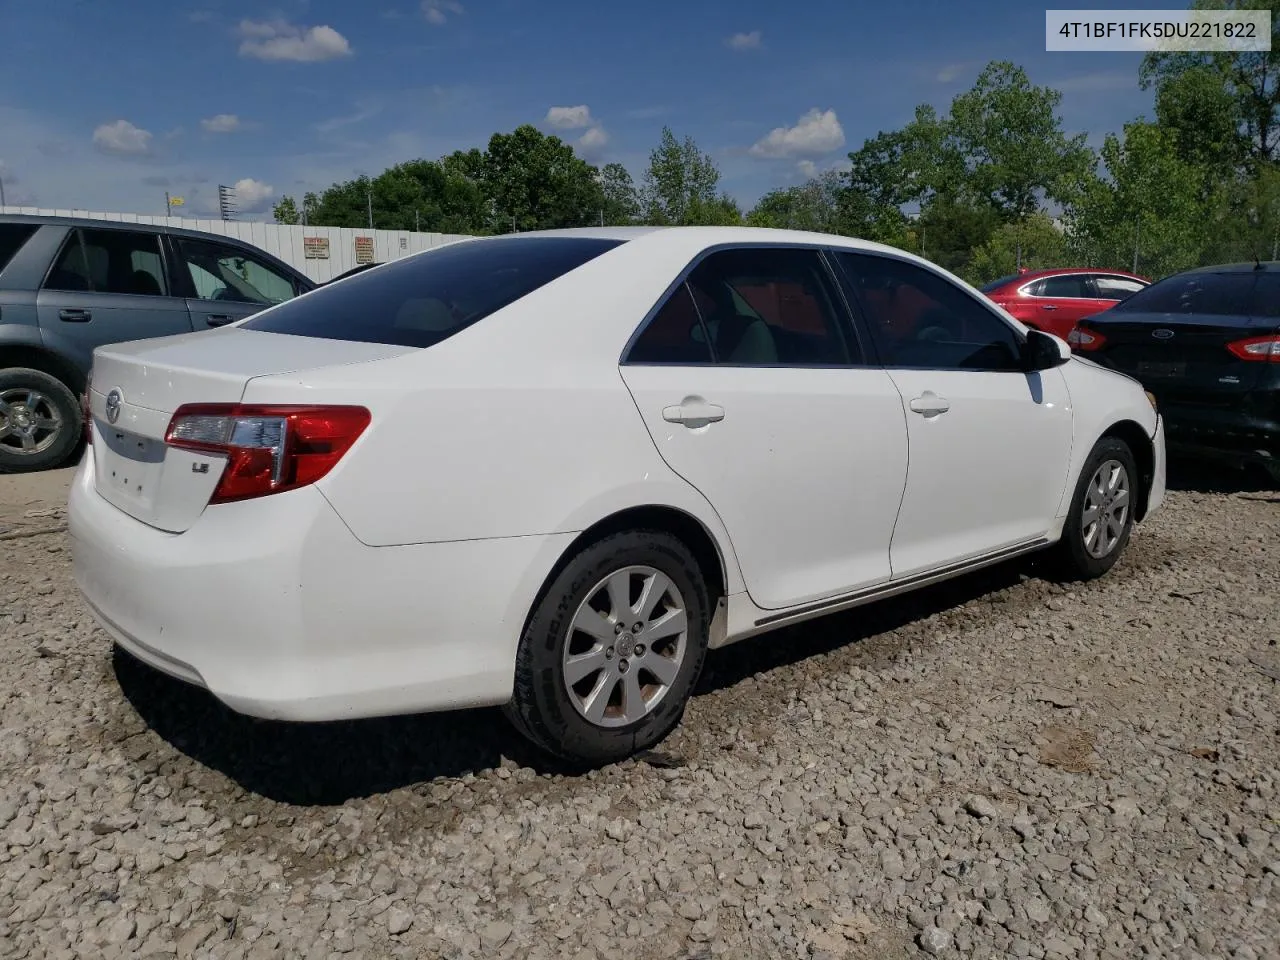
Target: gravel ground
x=997, y=767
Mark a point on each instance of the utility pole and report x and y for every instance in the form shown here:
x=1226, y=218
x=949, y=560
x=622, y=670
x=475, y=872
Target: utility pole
x=1019, y=256
x=417, y=228
x=1137, y=233
x=369, y=194
x=602, y=218
x=2, y=203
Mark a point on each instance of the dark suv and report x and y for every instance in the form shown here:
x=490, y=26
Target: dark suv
x=69, y=285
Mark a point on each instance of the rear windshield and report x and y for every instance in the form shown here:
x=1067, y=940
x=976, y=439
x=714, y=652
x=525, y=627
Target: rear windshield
x=1213, y=294
x=988, y=287
x=423, y=299
x=12, y=237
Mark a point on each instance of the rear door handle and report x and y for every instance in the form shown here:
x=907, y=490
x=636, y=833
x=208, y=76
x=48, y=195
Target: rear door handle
x=693, y=412
x=75, y=316
x=929, y=404
x=217, y=319
x=1047, y=306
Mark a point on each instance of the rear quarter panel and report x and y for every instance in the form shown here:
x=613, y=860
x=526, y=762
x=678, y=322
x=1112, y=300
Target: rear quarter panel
x=520, y=425
x=1100, y=399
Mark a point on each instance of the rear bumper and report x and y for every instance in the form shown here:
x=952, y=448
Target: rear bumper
x=276, y=609
x=1233, y=436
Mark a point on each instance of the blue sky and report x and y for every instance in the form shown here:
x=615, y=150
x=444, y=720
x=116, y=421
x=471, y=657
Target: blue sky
x=104, y=106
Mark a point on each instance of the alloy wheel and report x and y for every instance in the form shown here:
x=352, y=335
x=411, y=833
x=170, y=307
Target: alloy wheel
x=29, y=421
x=626, y=644
x=1106, y=509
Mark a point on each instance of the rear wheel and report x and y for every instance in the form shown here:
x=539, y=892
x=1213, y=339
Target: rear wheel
x=612, y=651
x=1100, y=520
x=40, y=423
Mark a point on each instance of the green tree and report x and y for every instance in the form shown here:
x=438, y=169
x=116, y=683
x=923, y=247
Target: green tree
x=536, y=182
x=680, y=184
x=1204, y=118
x=417, y=195
x=621, y=203
x=949, y=230
x=1011, y=138
x=286, y=211
x=814, y=205
x=1034, y=242
x=1250, y=81
x=1147, y=207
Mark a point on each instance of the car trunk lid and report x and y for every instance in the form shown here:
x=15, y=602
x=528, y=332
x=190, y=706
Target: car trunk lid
x=137, y=386
x=1181, y=358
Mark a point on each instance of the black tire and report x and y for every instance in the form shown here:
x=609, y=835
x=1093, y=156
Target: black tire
x=1074, y=559
x=53, y=401
x=541, y=707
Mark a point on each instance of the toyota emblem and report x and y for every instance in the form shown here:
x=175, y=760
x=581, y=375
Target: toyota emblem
x=1162, y=334
x=113, y=406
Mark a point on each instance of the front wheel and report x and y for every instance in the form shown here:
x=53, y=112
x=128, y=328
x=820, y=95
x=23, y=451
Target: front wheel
x=1100, y=520
x=613, y=649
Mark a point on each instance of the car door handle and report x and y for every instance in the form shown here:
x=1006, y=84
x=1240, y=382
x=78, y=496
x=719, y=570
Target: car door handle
x=693, y=412
x=217, y=319
x=930, y=404
x=1047, y=306
x=75, y=316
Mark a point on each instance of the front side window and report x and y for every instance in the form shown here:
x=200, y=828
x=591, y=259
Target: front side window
x=421, y=300
x=757, y=307
x=221, y=272
x=110, y=261
x=1116, y=288
x=921, y=320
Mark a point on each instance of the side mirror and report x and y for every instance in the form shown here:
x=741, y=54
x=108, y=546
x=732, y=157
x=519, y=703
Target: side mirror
x=1043, y=351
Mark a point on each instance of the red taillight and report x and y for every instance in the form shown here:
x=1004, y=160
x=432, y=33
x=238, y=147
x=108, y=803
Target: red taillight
x=1261, y=349
x=268, y=448
x=1082, y=339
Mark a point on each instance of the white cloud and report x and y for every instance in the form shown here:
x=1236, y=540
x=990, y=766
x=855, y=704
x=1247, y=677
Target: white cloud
x=808, y=169
x=746, y=41
x=438, y=12
x=570, y=118
x=816, y=133
x=281, y=40
x=594, y=139
x=252, y=195
x=222, y=123
x=123, y=139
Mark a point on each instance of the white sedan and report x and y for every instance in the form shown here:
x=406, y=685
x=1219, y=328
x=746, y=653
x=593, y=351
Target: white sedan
x=551, y=470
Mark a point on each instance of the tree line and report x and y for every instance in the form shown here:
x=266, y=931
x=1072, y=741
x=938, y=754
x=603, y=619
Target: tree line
x=991, y=184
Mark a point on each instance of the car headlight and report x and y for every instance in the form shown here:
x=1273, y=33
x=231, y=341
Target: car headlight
x=1151, y=399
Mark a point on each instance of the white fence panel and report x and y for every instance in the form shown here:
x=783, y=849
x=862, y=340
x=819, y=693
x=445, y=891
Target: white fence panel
x=283, y=240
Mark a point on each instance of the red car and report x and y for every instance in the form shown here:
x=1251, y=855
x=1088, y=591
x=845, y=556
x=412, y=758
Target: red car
x=1056, y=300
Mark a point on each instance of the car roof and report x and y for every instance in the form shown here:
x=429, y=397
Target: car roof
x=1267, y=266
x=1061, y=271
x=714, y=236
x=101, y=223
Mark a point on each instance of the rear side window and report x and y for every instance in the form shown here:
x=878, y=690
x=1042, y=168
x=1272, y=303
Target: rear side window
x=12, y=237
x=424, y=299
x=109, y=261
x=1214, y=294
x=1074, y=286
x=1266, y=296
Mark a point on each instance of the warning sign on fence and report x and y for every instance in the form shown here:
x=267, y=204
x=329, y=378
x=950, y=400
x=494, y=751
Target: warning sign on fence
x=364, y=249
x=315, y=248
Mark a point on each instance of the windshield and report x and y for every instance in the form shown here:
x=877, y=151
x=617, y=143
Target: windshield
x=426, y=298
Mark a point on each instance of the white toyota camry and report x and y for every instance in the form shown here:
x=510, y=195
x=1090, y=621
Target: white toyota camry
x=551, y=470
